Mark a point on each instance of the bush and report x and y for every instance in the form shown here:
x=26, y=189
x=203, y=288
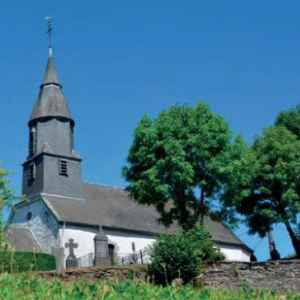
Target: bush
x=181, y=255
x=23, y=261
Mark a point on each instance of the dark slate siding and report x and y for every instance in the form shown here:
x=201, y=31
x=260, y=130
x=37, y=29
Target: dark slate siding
x=70, y=186
x=57, y=134
x=34, y=187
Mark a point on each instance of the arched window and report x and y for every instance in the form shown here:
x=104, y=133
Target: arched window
x=46, y=216
x=29, y=216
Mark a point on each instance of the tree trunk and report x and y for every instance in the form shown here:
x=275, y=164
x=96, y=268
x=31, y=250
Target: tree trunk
x=202, y=208
x=295, y=240
x=182, y=206
x=271, y=241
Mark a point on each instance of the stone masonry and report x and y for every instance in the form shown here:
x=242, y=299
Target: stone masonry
x=276, y=275
x=126, y=273
x=42, y=224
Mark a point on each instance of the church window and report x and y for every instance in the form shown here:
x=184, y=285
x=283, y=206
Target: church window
x=29, y=216
x=32, y=137
x=31, y=172
x=46, y=216
x=63, y=168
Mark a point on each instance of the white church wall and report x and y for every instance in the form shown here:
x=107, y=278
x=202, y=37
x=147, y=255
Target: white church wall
x=42, y=224
x=84, y=237
x=48, y=235
x=123, y=241
x=234, y=253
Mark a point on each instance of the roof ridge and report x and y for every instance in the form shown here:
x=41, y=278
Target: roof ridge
x=104, y=185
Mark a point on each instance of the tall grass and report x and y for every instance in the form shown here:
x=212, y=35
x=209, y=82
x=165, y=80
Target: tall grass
x=32, y=287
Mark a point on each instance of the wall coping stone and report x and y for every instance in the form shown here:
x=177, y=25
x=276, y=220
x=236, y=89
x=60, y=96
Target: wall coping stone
x=106, y=273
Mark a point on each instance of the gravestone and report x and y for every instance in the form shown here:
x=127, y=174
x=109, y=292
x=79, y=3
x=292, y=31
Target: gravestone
x=71, y=261
x=101, y=249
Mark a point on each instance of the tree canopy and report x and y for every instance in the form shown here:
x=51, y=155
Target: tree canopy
x=265, y=188
x=290, y=119
x=178, y=162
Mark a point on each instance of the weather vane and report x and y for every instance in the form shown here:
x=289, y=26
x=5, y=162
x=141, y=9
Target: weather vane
x=49, y=29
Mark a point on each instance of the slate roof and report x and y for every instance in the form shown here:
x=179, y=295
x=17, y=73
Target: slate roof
x=51, y=101
x=21, y=239
x=51, y=74
x=112, y=208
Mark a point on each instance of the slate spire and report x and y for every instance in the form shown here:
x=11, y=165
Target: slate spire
x=51, y=101
x=50, y=74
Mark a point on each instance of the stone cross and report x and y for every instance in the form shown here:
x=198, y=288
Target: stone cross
x=71, y=245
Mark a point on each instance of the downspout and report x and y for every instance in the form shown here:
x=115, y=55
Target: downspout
x=63, y=234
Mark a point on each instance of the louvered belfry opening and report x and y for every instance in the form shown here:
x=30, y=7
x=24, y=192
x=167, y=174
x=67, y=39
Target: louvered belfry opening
x=63, y=171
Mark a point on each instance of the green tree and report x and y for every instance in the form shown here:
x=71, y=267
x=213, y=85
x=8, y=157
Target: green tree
x=265, y=188
x=290, y=119
x=178, y=162
x=6, y=200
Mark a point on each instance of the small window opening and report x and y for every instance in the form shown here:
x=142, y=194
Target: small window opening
x=46, y=216
x=29, y=216
x=63, y=168
x=31, y=172
x=32, y=136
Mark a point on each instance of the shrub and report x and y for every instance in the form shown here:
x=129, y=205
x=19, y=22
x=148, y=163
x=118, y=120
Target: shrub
x=23, y=261
x=181, y=255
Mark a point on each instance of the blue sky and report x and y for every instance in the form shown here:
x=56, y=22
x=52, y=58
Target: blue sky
x=118, y=60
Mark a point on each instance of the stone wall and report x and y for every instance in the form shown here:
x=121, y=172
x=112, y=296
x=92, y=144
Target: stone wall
x=279, y=275
x=276, y=275
x=126, y=273
x=42, y=224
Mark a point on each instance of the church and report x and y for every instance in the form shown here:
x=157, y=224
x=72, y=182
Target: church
x=59, y=206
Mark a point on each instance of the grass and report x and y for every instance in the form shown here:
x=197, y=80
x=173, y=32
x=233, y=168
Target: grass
x=32, y=287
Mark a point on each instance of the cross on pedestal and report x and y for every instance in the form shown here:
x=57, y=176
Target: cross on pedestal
x=71, y=245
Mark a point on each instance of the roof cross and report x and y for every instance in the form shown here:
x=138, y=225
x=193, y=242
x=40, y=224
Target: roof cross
x=49, y=32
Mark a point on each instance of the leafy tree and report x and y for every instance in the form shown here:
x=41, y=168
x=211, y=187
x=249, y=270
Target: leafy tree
x=290, y=119
x=181, y=255
x=178, y=162
x=6, y=199
x=266, y=187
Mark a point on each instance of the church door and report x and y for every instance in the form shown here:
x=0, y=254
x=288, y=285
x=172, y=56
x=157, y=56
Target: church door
x=111, y=249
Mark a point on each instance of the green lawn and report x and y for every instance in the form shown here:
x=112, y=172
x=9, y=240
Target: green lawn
x=24, y=287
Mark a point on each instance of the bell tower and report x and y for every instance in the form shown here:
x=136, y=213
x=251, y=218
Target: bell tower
x=52, y=166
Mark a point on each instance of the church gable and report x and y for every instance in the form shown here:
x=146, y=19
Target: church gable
x=36, y=217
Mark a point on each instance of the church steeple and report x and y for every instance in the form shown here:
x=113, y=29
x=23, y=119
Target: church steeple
x=52, y=166
x=51, y=101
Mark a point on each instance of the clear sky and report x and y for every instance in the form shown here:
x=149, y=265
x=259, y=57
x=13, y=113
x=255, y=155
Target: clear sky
x=118, y=60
